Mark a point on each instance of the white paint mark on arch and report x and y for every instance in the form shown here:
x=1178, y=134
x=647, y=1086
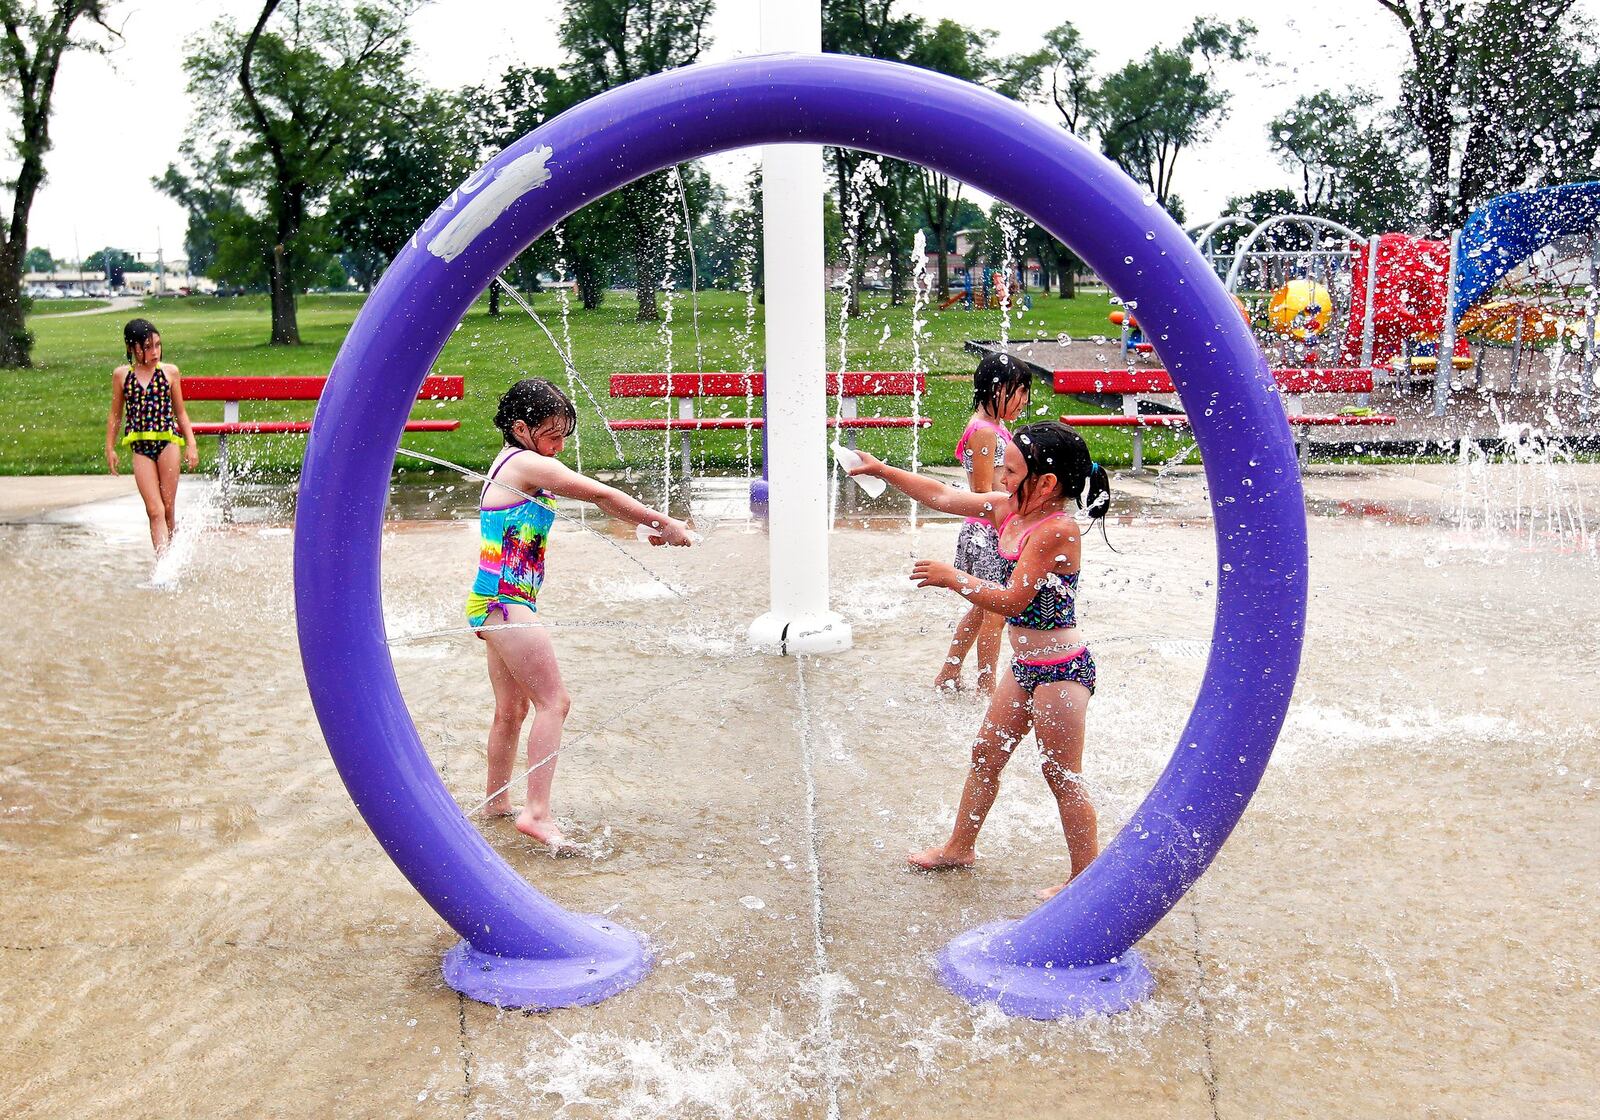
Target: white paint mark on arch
x=511, y=182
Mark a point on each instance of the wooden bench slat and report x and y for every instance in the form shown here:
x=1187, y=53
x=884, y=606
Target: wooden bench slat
x=740, y=423
x=283, y=427
x=439, y=388
x=1118, y=381
x=1177, y=420
x=864, y=384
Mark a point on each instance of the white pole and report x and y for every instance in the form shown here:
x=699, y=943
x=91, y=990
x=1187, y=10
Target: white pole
x=797, y=466
x=1369, y=324
x=1444, y=371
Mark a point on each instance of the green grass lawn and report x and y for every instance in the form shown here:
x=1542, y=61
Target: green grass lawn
x=54, y=415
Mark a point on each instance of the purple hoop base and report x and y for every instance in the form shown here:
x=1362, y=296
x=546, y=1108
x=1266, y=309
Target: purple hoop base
x=540, y=984
x=971, y=967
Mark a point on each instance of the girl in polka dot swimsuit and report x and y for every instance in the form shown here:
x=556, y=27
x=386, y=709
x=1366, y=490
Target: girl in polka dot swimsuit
x=147, y=403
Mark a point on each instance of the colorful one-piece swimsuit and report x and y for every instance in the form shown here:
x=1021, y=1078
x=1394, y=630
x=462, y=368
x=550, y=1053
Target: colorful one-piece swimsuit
x=149, y=423
x=512, y=542
x=1053, y=608
x=978, y=543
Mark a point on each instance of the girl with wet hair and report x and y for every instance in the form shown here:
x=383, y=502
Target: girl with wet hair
x=1052, y=672
x=1000, y=388
x=516, y=511
x=147, y=403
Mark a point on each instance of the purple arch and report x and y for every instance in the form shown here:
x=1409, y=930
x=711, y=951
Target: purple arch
x=1071, y=955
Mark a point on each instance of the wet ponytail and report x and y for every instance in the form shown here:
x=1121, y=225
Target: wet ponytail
x=1095, y=498
x=1051, y=447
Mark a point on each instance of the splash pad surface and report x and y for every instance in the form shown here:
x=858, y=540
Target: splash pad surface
x=522, y=946
x=198, y=918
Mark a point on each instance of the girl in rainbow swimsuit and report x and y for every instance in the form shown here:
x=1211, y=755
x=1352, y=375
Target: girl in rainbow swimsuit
x=516, y=511
x=999, y=394
x=1052, y=672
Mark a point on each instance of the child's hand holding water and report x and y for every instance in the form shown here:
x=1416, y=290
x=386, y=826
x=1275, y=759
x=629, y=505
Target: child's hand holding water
x=668, y=532
x=936, y=573
x=858, y=462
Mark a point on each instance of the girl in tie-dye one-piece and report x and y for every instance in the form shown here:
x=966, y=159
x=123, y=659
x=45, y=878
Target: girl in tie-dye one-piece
x=515, y=516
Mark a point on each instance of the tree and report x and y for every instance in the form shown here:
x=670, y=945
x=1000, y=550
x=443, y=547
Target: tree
x=417, y=154
x=1349, y=168
x=297, y=97
x=113, y=262
x=609, y=43
x=962, y=53
x=38, y=33
x=875, y=194
x=212, y=208
x=589, y=243
x=1146, y=113
x=1059, y=72
x=1507, y=91
x=38, y=260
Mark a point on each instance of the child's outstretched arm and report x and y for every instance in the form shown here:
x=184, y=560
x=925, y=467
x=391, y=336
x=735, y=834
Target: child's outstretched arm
x=556, y=477
x=933, y=493
x=1054, y=548
x=114, y=421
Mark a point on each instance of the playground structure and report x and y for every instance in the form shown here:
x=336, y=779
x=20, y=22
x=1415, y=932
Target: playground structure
x=1395, y=301
x=995, y=289
x=1074, y=954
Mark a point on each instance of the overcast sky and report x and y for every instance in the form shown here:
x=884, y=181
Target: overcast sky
x=119, y=118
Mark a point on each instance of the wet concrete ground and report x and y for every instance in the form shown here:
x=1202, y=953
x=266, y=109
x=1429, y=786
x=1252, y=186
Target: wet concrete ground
x=198, y=923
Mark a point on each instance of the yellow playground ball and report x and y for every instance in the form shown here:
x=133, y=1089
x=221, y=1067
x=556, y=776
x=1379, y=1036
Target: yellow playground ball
x=1300, y=308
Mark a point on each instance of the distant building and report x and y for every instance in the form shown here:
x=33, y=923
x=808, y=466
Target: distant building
x=63, y=282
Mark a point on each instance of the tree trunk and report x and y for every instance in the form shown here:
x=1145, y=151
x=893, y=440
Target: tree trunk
x=494, y=298
x=590, y=288
x=643, y=220
x=1068, y=273
x=16, y=340
x=285, y=328
x=645, y=272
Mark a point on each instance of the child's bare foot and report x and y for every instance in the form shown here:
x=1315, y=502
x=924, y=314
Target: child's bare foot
x=938, y=859
x=500, y=807
x=1051, y=892
x=543, y=829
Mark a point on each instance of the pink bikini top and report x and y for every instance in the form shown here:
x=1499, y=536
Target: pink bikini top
x=964, y=452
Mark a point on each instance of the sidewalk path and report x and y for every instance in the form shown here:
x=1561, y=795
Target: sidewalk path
x=117, y=303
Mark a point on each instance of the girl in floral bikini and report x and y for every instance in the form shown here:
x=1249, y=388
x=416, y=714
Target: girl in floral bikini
x=516, y=511
x=1053, y=674
x=149, y=395
x=999, y=394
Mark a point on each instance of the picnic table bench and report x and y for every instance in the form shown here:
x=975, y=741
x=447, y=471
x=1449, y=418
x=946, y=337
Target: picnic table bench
x=1129, y=384
x=231, y=391
x=686, y=387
